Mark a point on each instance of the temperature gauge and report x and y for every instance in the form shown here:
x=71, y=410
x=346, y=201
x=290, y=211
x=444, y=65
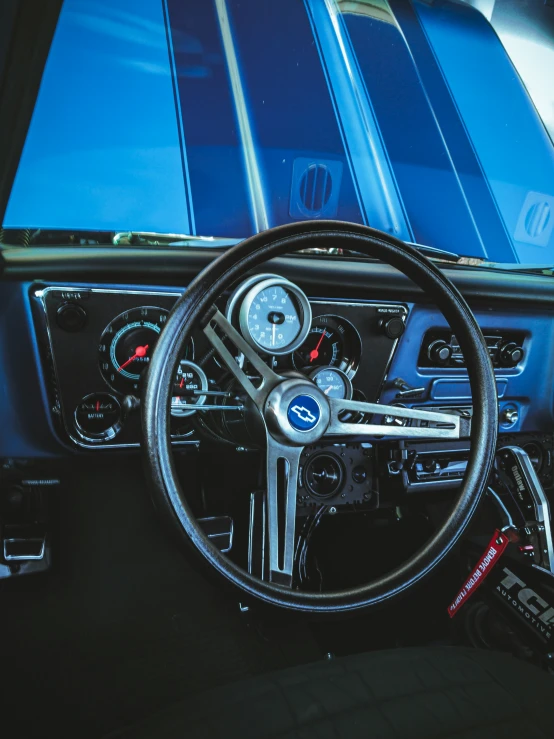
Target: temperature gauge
x=333, y=382
x=190, y=383
x=98, y=417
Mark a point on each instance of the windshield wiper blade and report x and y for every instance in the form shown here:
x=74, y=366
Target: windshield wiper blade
x=434, y=253
x=87, y=237
x=151, y=238
x=440, y=255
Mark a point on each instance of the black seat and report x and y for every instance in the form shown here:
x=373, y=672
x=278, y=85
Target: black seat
x=423, y=693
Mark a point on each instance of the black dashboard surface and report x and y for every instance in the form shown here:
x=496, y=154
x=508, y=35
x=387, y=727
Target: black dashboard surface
x=334, y=277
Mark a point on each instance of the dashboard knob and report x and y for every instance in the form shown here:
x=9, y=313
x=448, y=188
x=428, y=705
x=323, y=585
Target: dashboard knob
x=392, y=327
x=510, y=354
x=509, y=416
x=71, y=317
x=439, y=352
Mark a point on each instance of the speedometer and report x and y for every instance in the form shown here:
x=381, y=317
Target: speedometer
x=275, y=316
x=126, y=345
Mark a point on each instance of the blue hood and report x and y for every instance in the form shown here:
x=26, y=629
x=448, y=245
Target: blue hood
x=226, y=117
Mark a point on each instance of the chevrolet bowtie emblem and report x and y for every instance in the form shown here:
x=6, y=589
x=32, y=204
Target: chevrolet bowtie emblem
x=303, y=413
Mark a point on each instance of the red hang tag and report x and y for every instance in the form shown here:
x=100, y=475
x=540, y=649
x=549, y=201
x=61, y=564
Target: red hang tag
x=489, y=558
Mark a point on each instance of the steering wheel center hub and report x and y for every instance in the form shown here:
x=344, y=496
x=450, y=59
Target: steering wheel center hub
x=297, y=412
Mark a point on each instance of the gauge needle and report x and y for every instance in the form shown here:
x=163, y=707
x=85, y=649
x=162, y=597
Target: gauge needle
x=273, y=334
x=314, y=354
x=140, y=351
x=326, y=392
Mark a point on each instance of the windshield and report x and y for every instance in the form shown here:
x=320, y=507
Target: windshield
x=225, y=117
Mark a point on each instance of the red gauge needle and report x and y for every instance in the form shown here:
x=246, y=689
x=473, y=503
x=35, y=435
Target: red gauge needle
x=182, y=382
x=314, y=354
x=140, y=352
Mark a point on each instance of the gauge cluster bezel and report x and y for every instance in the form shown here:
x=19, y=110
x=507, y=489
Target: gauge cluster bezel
x=73, y=357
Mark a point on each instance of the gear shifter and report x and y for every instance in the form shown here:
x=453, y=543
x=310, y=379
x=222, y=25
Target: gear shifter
x=523, y=506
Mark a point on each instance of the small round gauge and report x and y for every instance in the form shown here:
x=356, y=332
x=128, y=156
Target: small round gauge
x=127, y=344
x=333, y=382
x=275, y=316
x=98, y=417
x=331, y=342
x=189, y=384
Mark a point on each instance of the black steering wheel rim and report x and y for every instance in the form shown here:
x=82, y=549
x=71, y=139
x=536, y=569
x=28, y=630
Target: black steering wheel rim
x=192, y=307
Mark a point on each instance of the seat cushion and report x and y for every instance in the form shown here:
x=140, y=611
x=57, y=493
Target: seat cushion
x=423, y=693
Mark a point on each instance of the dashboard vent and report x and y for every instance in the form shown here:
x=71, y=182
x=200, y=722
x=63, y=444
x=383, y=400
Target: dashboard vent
x=315, y=188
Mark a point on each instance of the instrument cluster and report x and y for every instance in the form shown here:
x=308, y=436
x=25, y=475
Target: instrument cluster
x=99, y=343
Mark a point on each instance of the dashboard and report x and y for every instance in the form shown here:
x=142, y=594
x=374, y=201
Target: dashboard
x=78, y=328
x=380, y=340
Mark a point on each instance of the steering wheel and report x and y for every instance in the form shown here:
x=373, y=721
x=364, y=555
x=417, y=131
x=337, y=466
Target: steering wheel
x=273, y=396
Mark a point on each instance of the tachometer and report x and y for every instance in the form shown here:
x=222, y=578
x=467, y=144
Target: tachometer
x=275, y=316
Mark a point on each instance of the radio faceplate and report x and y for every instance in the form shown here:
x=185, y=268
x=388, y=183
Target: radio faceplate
x=428, y=466
x=440, y=348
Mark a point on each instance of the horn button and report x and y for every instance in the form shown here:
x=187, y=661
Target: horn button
x=297, y=412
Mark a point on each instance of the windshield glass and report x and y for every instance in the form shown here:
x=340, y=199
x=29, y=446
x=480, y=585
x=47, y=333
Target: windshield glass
x=225, y=117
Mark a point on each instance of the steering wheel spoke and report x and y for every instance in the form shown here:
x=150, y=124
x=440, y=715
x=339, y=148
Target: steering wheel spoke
x=269, y=379
x=430, y=424
x=282, y=484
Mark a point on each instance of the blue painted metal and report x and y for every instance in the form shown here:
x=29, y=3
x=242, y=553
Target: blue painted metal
x=487, y=233
x=510, y=142
x=423, y=167
x=458, y=388
x=527, y=387
x=187, y=117
x=368, y=159
x=103, y=149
